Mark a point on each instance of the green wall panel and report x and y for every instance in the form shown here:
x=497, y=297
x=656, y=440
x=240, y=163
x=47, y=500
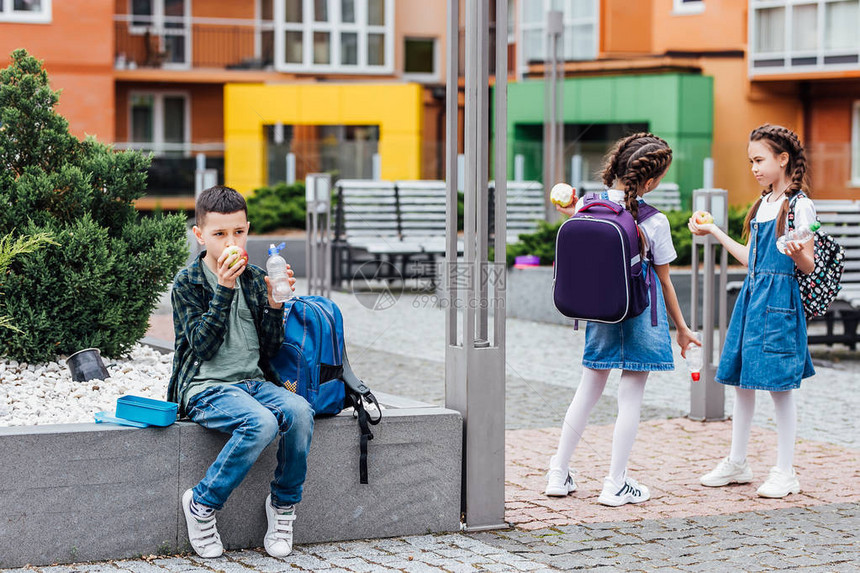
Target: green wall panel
x=677, y=107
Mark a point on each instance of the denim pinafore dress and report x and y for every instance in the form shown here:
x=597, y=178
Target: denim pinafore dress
x=632, y=344
x=766, y=347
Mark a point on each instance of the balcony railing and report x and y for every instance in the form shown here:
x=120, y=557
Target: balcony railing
x=175, y=42
x=788, y=36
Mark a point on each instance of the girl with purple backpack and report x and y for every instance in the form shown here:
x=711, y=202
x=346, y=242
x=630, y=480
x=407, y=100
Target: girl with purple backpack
x=766, y=346
x=633, y=168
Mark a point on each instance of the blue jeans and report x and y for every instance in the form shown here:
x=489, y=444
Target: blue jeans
x=253, y=412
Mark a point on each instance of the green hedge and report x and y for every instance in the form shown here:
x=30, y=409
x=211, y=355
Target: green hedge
x=542, y=242
x=277, y=208
x=97, y=285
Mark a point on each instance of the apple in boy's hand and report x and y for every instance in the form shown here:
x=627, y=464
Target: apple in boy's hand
x=562, y=195
x=703, y=218
x=243, y=254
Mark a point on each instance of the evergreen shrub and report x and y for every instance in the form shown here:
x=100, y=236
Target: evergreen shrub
x=97, y=286
x=276, y=208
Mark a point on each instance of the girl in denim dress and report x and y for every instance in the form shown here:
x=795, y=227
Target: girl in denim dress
x=634, y=167
x=766, y=347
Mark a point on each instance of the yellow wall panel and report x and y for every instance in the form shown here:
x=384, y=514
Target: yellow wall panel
x=395, y=108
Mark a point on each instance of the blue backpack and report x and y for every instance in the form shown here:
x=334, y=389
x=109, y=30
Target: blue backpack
x=312, y=362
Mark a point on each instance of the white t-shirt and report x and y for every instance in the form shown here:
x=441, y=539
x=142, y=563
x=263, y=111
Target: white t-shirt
x=656, y=230
x=804, y=211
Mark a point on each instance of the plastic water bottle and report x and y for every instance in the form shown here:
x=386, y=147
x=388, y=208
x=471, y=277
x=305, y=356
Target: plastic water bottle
x=694, y=359
x=276, y=267
x=799, y=235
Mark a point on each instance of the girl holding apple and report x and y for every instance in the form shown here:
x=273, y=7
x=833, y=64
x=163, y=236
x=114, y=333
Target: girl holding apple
x=766, y=346
x=633, y=168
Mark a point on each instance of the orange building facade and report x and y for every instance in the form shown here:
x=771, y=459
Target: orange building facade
x=793, y=63
x=151, y=75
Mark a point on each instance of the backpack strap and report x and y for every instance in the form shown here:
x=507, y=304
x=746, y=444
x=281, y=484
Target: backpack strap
x=791, y=205
x=356, y=393
x=647, y=211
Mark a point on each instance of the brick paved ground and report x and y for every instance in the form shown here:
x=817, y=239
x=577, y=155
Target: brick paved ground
x=668, y=457
x=684, y=527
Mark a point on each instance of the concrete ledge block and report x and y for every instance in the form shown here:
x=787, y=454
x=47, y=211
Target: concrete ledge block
x=84, y=492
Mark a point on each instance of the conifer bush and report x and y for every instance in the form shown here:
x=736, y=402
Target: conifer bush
x=98, y=284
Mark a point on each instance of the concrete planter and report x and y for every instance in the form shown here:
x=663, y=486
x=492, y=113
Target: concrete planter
x=529, y=293
x=87, y=492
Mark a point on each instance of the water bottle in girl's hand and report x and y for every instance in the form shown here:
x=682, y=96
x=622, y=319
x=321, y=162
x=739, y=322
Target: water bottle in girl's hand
x=694, y=359
x=799, y=235
x=276, y=267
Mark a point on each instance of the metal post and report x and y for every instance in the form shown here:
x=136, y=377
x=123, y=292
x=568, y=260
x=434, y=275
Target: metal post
x=519, y=167
x=377, y=167
x=474, y=360
x=575, y=170
x=318, y=243
x=291, y=168
x=553, y=132
x=708, y=173
x=707, y=397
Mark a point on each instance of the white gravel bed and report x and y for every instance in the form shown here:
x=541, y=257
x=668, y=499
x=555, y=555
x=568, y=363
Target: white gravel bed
x=39, y=394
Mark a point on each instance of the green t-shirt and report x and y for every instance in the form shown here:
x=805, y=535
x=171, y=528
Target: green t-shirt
x=237, y=358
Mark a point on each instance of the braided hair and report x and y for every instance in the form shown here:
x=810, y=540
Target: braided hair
x=633, y=161
x=781, y=140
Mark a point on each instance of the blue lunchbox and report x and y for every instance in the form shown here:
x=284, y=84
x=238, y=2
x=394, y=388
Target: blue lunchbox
x=146, y=410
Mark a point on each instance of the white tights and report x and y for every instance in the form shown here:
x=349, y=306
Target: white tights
x=630, y=391
x=785, y=411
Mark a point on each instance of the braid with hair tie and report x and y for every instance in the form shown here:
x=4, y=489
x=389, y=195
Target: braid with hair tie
x=610, y=169
x=649, y=161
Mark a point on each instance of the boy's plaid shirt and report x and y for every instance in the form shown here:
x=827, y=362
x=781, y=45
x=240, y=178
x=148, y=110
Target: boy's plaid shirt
x=200, y=318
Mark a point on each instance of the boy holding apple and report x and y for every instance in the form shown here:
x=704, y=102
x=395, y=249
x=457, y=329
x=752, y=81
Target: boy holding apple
x=227, y=326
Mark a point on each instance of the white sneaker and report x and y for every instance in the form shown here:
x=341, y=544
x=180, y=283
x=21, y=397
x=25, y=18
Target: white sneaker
x=630, y=492
x=202, y=532
x=279, y=534
x=727, y=472
x=779, y=484
x=559, y=483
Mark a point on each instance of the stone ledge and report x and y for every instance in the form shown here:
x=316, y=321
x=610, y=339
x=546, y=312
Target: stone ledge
x=88, y=492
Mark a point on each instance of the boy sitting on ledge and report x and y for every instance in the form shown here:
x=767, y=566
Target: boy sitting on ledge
x=227, y=327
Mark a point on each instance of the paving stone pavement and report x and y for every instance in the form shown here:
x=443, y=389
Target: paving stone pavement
x=684, y=527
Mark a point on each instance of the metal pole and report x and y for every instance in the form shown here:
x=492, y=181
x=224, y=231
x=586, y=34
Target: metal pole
x=553, y=134
x=474, y=365
x=318, y=228
x=707, y=397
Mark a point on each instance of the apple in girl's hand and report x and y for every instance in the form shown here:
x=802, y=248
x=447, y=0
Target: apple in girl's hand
x=243, y=254
x=562, y=195
x=703, y=218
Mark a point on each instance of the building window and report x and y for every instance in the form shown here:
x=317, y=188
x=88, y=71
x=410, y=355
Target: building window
x=580, y=30
x=688, y=6
x=419, y=57
x=165, y=27
x=334, y=36
x=804, y=35
x=159, y=123
x=26, y=11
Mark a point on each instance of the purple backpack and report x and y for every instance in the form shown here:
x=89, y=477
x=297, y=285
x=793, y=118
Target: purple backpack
x=598, y=270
